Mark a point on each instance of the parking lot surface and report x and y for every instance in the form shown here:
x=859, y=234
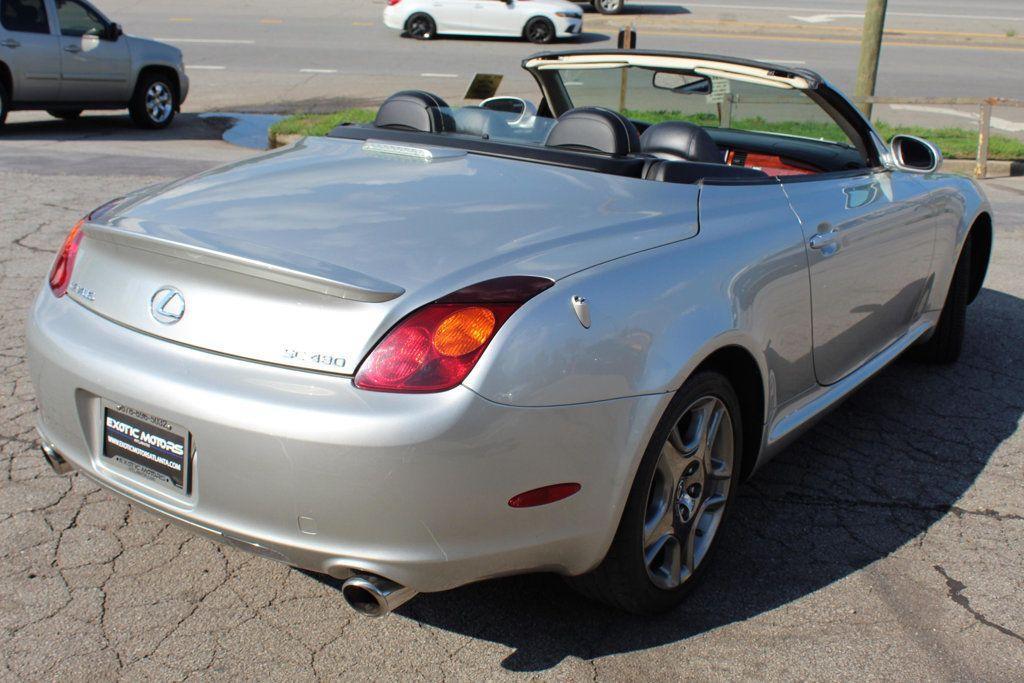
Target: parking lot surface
x=886, y=544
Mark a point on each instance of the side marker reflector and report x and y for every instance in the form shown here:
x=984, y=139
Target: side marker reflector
x=543, y=495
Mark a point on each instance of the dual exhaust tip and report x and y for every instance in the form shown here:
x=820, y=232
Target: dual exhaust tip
x=367, y=594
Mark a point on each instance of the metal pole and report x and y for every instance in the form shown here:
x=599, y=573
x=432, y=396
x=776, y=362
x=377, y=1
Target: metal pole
x=984, y=128
x=626, y=41
x=870, y=49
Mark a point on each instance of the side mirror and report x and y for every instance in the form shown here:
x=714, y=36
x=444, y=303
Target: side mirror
x=915, y=155
x=113, y=32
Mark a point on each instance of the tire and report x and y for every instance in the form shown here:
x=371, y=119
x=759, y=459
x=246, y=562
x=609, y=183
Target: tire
x=65, y=114
x=5, y=103
x=539, y=30
x=609, y=6
x=421, y=27
x=154, y=103
x=947, y=341
x=666, y=515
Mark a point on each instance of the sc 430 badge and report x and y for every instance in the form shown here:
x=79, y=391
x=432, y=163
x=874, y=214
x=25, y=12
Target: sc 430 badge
x=314, y=359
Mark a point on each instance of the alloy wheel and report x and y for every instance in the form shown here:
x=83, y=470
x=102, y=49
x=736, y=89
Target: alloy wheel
x=420, y=27
x=539, y=32
x=159, y=102
x=688, y=492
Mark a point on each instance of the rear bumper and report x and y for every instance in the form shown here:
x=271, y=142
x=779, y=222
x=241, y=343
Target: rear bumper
x=305, y=469
x=394, y=17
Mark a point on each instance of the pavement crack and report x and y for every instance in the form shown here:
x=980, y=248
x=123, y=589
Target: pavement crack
x=956, y=594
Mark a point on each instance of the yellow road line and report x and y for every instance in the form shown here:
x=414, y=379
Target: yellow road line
x=181, y=20
x=831, y=41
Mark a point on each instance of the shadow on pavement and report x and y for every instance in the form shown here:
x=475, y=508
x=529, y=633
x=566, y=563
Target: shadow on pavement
x=560, y=44
x=114, y=126
x=871, y=477
x=637, y=8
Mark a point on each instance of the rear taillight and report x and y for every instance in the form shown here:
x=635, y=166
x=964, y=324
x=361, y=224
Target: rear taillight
x=394, y=2
x=60, y=274
x=435, y=347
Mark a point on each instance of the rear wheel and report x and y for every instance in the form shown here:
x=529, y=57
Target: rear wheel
x=609, y=6
x=65, y=114
x=679, y=500
x=154, y=102
x=948, y=339
x=421, y=27
x=539, y=30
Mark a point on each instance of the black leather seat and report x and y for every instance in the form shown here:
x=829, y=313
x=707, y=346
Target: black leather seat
x=415, y=110
x=680, y=141
x=595, y=129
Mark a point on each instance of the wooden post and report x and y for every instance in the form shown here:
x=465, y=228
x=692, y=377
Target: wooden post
x=725, y=115
x=984, y=128
x=627, y=41
x=870, y=50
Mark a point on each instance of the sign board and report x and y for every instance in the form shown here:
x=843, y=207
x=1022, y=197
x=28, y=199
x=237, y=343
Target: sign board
x=483, y=86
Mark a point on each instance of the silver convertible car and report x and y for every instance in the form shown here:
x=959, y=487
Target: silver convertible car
x=550, y=335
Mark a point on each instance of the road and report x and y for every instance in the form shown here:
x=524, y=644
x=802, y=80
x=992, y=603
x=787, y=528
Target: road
x=885, y=544
x=264, y=56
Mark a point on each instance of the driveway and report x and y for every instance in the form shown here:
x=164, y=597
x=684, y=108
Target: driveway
x=884, y=544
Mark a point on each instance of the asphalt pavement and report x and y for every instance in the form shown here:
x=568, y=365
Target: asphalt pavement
x=314, y=55
x=885, y=544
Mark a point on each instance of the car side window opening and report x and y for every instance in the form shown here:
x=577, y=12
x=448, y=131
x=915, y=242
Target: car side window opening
x=26, y=16
x=723, y=103
x=77, y=20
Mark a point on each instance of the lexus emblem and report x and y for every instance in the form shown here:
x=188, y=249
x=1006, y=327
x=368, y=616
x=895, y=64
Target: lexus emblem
x=167, y=305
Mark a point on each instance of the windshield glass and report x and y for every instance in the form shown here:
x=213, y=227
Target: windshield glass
x=712, y=99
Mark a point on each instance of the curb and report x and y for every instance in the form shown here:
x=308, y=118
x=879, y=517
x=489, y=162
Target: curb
x=996, y=169
x=274, y=140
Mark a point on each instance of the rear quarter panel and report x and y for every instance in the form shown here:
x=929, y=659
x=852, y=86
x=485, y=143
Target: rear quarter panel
x=657, y=314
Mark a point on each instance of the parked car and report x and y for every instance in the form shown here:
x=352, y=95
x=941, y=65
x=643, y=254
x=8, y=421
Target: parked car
x=459, y=343
x=539, y=21
x=605, y=6
x=64, y=56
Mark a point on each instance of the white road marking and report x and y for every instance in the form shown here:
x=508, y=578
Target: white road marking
x=826, y=18
x=429, y=75
x=212, y=41
x=854, y=10
x=205, y=67
x=997, y=122
x=318, y=71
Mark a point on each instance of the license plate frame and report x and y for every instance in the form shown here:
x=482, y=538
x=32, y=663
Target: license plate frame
x=151, y=448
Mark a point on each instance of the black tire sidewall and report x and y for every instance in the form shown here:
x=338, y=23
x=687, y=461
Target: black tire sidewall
x=621, y=579
x=421, y=15
x=543, y=21
x=5, y=103
x=137, y=108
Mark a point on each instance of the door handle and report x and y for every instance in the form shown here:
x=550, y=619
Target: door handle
x=826, y=240
x=11, y=43
x=72, y=48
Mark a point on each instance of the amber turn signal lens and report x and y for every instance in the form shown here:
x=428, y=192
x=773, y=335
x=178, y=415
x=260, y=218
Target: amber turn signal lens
x=463, y=331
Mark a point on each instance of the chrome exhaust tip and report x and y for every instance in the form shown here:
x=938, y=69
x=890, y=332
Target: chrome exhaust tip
x=56, y=460
x=375, y=596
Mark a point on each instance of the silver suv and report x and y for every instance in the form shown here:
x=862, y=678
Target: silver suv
x=65, y=56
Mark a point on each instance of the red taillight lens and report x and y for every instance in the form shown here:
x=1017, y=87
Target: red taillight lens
x=543, y=495
x=394, y=2
x=435, y=348
x=60, y=274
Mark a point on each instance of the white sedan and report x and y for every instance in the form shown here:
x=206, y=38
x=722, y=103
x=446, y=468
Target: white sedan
x=539, y=21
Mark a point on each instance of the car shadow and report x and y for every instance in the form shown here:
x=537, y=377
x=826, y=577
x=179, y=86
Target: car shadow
x=38, y=126
x=877, y=473
x=637, y=8
x=581, y=39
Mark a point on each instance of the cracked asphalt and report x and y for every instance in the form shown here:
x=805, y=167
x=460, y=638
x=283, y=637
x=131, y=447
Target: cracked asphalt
x=888, y=543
